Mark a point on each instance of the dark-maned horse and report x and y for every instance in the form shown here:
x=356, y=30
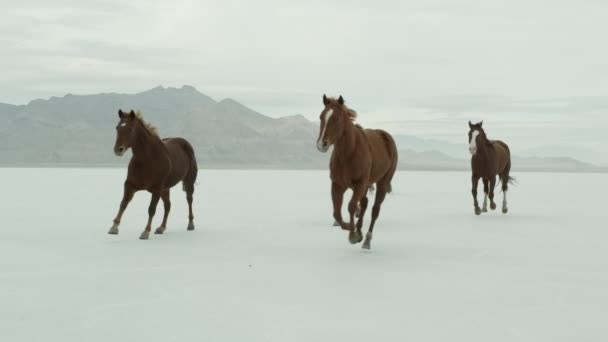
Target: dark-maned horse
x=361, y=158
x=488, y=159
x=156, y=166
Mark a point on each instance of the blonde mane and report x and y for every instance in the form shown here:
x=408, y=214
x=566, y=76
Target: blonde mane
x=152, y=129
x=352, y=114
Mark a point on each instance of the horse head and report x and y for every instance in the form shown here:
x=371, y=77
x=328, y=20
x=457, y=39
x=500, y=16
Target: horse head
x=332, y=120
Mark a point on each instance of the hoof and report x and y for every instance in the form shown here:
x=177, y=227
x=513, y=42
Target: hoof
x=505, y=210
x=493, y=206
x=159, y=230
x=336, y=224
x=477, y=211
x=190, y=226
x=144, y=236
x=484, y=210
x=113, y=230
x=355, y=237
x=366, y=245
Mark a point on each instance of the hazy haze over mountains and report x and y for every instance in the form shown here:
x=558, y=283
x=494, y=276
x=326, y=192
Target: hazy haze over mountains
x=79, y=129
x=532, y=70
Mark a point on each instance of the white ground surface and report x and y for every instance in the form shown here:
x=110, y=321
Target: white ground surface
x=265, y=264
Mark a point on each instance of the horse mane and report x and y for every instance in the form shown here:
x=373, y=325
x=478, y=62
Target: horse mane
x=350, y=112
x=488, y=141
x=149, y=127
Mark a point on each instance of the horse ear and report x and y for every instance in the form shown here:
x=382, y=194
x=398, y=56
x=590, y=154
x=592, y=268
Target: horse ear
x=120, y=113
x=341, y=100
x=470, y=125
x=325, y=100
x=132, y=114
x=480, y=123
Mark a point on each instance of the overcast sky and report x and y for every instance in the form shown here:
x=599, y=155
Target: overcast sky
x=279, y=57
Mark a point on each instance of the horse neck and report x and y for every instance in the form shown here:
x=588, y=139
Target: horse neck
x=144, y=144
x=482, y=150
x=345, y=145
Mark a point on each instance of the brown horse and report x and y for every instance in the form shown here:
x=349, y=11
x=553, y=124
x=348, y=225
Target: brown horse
x=488, y=159
x=156, y=166
x=361, y=158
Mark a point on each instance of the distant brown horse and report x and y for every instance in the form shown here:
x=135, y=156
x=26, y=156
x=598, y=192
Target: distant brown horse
x=156, y=166
x=488, y=159
x=361, y=157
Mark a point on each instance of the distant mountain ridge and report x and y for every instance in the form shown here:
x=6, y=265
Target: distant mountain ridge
x=80, y=130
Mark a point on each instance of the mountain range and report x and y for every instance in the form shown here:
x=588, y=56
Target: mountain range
x=80, y=130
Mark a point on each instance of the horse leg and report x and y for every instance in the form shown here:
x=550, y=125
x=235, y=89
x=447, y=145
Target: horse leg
x=381, y=190
x=504, y=179
x=475, y=182
x=167, y=207
x=151, y=211
x=361, y=212
x=492, y=186
x=486, y=190
x=337, y=196
x=127, y=195
x=355, y=236
x=189, y=193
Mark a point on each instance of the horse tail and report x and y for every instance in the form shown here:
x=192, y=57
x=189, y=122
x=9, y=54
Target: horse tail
x=393, y=153
x=505, y=177
x=190, y=179
x=511, y=180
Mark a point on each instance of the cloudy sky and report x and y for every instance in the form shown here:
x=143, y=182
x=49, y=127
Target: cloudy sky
x=417, y=66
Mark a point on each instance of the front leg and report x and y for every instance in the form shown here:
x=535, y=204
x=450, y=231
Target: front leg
x=151, y=211
x=127, y=195
x=359, y=190
x=491, y=196
x=337, y=196
x=475, y=182
x=486, y=191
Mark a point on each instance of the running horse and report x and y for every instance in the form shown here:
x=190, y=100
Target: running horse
x=360, y=158
x=156, y=166
x=488, y=159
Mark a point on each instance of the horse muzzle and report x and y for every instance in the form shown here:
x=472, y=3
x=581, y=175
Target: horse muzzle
x=120, y=150
x=322, y=146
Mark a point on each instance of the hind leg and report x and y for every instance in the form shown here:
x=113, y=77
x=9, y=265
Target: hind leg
x=189, y=193
x=381, y=190
x=491, y=195
x=504, y=179
x=167, y=206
